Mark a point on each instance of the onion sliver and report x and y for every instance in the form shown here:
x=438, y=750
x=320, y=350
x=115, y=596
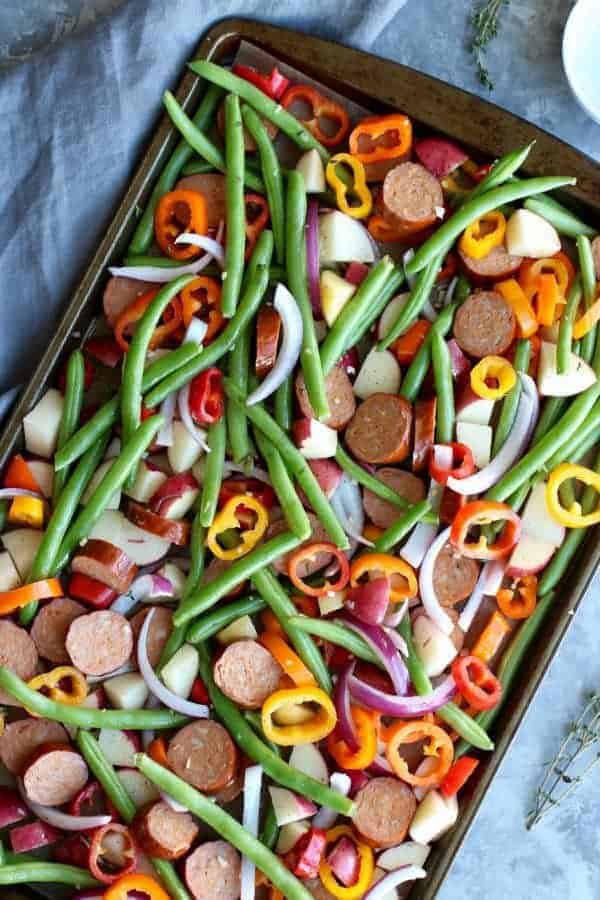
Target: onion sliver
x=291, y=344
x=159, y=274
x=210, y=245
x=253, y=777
x=429, y=597
x=326, y=816
x=341, y=698
x=490, y=577
x=402, y=707
x=183, y=404
x=11, y=493
x=164, y=438
x=386, y=887
x=423, y=535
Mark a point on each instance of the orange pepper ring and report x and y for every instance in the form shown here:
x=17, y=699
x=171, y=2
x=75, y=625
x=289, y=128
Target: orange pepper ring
x=439, y=746
x=322, y=108
x=203, y=296
x=383, y=564
x=366, y=722
x=311, y=550
x=168, y=224
x=376, y=127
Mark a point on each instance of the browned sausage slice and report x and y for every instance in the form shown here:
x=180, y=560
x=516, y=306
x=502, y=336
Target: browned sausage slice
x=340, y=398
x=120, y=293
x=19, y=654
x=380, y=429
x=247, y=673
x=454, y=576
x=160, y=628
x=484, y=325
x=411, y=195
x=50, y=627
x=213, y=872
x=425, y=415
x=55, y=776
x=384, y=810
x=174, y=530
x=310, y=566
x=212, y=187
x=163, y=832
x=100, y=642
x=498, y=264
x=204, y=755
x=106, y=563
x=381, y=512
x=20, y=740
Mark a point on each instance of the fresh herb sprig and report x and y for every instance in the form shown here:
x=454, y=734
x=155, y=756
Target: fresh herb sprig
x=484, y=24
x=578, y=754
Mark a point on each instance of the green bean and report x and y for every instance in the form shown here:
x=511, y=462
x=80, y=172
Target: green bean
x=48, y=872
x=235, y=206
x=444, y=387
x=559, y=434
x=4, y=506
x=107, y=416
x=213, y=472
x=377, y=487
x=284, y=404
x=250, y=744
x=461, y=292
x=417, y=371
x=295, y=258
x=402, y=526
x=270, y=829
x=559, y=216
x=144, y=230
x=374, y=310
x=251, y=300
x=222, y=616
x=135, y=359
x=199, y=142
x=111, y=482
x=568, y=450
x=295, y=515
x=459, y=720
x=511, y=400
x=282, y=607
x=197, y=166
x=443, y=239
x=263, y=105
x=208, y=594
x=565, y=331
x=73, y=400
x=502, y=170
x=297, y=466
x=272, y=177
x=254, y=719
x=84, y=717
x=237, y=422
x=336, y=633
x=417, y=299
x=553, y=409
x=588, y=277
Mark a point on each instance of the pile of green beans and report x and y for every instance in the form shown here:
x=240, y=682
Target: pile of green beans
x=237, y=421
x=444, y=386
x=69, y=420
x=272, y=177
x=419, y=296
x=295, y=514
x=235, y=206
x=213, y=471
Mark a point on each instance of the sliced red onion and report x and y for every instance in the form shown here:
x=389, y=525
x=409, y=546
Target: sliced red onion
x=384, y=647
x=183, y=404
x=59, y=819
x=156, y=687
x=511, y=450
x=347, y=504
x=210, y=245
x=402, y=707
x=196, y=331
x=423, y=535
x=253, y=778
x=398, y=640
x=312, y=257
x=291, y=344
x=144, y=589
x=343, y=861
x=160, y=274
x=341, y=698
x=406, y=258
x=386, y=886
x=172, y=803
x=395, y=615
x=11, y=493
x=326, y=817
x=490, y=577
x=164, y=438
x=369, y=601
x=429, y=598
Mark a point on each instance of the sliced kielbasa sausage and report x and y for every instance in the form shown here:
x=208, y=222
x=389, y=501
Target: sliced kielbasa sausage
x=411, y=195
x=160, y=628
x=120, y=293
x=174, y=530
x=484, y=325
x=383, y=513
x=340, y=398
x=213, y=872
x=100, y=642
x=247, y=673
x=317, y=535
x=55, y=775
x=19, y=654
x=384, y=810
x=204, y=755
x=212, y=187
x=380, y=430
x=425, y=417
x=454, y=576
x=106, y=563
x=20, y=740
x=162, y=832
x=50, y=627
x=497, y=265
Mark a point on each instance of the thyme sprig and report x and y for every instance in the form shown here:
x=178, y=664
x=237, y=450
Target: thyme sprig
x=484, y=24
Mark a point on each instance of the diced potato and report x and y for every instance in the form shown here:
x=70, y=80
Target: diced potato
x=240, y=630
x=184, y=451
x=9, y=577
x=335, y=294
x=42, y=423
x=310, y=165
x=478, y=438
x=379, y=374
x=22, y=544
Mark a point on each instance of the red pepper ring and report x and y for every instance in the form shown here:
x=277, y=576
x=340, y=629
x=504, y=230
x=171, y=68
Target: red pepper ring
x=462, y=463
x=321, y=109
x=273, y=85
x=308, y=552
x=485, y=512
x=476, y=682
x=206, y=397
x=257, y=216
x=101, y=864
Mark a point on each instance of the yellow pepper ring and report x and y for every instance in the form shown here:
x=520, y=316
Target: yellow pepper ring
x=320, y=724
x=228, y=519
x=365, y=872
x=571, y=518
x=497, y=368
x=358, y=188
x=51, y=680
x=478, y=240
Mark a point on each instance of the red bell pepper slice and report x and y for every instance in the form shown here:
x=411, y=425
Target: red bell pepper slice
x=485, y=512
x=93, y=592
x=103, y=868
x=476, y=682
x=199, y=694
x=206, y=398
x=458, y=775
x=462, y=463
x=321, y=109
x=104, y=349
x=273, y=85
x=306, y=855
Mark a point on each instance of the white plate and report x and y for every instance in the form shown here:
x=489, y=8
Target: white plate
x=581, y=52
